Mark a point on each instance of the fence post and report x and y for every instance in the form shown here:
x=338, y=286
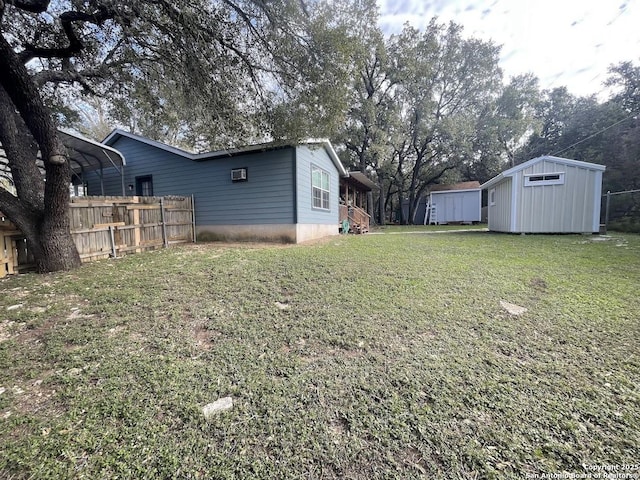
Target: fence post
x=606, y=212
x=164, y=224
x=113, y=241
x=193, y=218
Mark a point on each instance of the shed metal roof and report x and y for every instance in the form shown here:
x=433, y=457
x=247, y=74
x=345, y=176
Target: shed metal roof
x=566, y=161
x=473, y=185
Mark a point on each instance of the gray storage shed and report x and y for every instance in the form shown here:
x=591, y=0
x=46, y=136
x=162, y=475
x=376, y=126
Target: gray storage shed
x=546, y=195
x=457, y=203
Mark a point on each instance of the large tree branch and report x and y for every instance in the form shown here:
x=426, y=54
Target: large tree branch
x=24, y=95
x=75, y=46
x=21, y=151
x=16, y=211
x=69, y=76
x=33, y=6
x=10, y=205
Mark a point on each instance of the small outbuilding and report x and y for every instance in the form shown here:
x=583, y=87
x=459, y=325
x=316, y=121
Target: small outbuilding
x=546, y=195
x=456, y=203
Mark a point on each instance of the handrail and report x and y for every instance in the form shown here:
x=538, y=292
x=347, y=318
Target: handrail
x=358, y=218
x=361, y=211
x=345, y=208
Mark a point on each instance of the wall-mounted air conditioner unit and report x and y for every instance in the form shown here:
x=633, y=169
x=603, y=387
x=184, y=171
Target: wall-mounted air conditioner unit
x=239, y=175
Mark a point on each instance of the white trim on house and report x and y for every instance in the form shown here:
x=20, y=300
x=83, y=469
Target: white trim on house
x=328, y=146
x=117, y=133
x=325, y=193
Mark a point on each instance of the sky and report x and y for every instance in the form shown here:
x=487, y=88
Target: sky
x=568, y=43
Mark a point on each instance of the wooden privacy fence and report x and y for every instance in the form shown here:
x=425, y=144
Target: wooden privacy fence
x=8, y=247
x=105, y=227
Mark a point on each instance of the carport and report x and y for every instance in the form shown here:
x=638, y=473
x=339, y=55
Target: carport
x=85, y=155
x=90, y=156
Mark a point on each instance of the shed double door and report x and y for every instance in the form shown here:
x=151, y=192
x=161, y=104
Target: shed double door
x=450, y=208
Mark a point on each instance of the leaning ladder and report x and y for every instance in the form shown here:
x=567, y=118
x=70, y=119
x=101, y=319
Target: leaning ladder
x=433, y=215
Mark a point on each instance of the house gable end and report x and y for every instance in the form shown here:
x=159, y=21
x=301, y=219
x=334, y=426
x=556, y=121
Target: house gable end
x=114, y=137
x=312, y=161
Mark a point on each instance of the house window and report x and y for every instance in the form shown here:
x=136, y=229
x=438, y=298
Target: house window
x=144, y=186
x=537, y=179
x=320, y=188
x=492, y=196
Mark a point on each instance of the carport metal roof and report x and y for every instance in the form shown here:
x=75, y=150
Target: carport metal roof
x=85, y=155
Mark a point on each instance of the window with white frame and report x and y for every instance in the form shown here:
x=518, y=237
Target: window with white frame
x=320, y=188
x=538, y=179
x=492, y=196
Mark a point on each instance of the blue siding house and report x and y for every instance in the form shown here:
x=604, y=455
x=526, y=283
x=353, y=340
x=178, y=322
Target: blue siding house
x=283, y=192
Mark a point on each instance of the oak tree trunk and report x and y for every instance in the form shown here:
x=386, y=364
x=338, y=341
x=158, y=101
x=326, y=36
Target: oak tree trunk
x=39, y=208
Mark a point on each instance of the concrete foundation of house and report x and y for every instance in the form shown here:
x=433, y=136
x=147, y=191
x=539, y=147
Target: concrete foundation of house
x=283, y=233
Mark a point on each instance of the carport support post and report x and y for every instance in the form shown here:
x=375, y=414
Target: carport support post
x=606, y=212
x=101, y=175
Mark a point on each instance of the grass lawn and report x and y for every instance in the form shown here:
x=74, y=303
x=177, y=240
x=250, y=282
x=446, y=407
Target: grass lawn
x=374, y=356
x=426, y=228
